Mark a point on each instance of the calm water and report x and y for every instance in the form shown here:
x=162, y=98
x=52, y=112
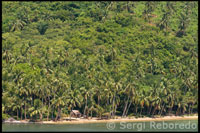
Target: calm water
x=181, y=125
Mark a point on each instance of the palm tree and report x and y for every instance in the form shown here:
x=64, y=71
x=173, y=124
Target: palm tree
x=18, y=25
x=16, y=105
x=165, y=22
x=38, y=108
x=23, y=92
x=100, y=110
x=42, y=27
x=107, y=10
x=149, y=8
x=91, y=105
x=92, y=109
x=59, y=103
x=75, y=99
x=130, y=91
x=129, y=6
x=85, y=94
x=48, y=95
x=184, y=20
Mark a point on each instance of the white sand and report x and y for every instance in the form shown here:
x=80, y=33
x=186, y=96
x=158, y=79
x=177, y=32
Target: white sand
x=94, y=120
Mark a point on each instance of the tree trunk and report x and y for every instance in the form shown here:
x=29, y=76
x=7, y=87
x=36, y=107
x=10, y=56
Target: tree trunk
x=60, y=113
x=141, y=111
x=85, y=107
x=150, y=109
x=52, y=113
x=177, y=111
x=48, y=115
x=40, y=116
x=25, y=110
x=57, y=115
x=154, y=110
x=70, y=116
x=91, y=114
x=136, y=109
x=128, y=108
x=115, y=110
x=21, y=112
x=125, y=107
x=42, y=108
x=162, y=109
x=191, y=109
x=113, y=106
x=98, y=100
x=70, y=113
x=170, y=110
x=17, y=114
x=183, y=112
x=48, y=109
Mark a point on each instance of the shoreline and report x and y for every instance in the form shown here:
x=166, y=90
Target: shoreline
x=146, y=119
x=117, y=120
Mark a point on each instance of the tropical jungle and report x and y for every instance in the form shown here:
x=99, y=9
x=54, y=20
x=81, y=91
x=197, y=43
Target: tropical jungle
x=127, y=58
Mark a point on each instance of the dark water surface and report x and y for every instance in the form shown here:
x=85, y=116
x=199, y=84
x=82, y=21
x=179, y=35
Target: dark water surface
x=180, y=125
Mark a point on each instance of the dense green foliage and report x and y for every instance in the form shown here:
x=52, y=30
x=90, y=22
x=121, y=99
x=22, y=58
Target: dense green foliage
x=117, y=58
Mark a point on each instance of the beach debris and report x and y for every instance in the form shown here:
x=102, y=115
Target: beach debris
x=11, y=120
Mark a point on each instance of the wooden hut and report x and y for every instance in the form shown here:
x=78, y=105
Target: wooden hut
x=75, y=113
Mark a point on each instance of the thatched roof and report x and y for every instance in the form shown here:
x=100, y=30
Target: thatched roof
x=76, y=112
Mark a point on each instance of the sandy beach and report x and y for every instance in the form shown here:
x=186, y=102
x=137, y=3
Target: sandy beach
x=83, y=121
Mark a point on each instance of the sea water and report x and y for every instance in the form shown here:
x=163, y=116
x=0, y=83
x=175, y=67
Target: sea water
x=175, y=125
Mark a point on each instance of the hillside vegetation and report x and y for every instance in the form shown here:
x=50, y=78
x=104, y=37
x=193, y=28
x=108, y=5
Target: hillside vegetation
x=102, y=58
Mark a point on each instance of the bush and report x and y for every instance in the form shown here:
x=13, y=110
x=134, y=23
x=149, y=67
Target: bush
x=5, y=116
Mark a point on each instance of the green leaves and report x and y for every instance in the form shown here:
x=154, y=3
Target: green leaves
x=26, y=69
x=123, y=20
x=99, y=56
x=42, y=27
